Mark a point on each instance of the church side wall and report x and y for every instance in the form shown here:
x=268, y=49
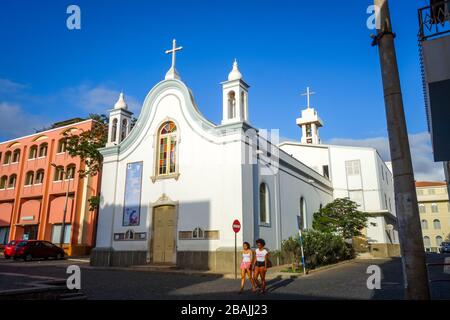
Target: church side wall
x=287, y=185
x=291, y=191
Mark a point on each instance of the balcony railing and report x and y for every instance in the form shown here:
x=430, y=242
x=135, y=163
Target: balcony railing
x=434, y=20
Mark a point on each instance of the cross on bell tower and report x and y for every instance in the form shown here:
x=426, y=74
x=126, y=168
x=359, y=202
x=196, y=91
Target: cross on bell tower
x=308, y=95
x=173, y=73
x=309, y=122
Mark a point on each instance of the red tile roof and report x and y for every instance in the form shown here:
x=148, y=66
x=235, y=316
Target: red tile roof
x=430, y=183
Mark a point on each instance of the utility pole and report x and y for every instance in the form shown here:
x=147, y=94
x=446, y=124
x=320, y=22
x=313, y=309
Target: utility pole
x=410, y=232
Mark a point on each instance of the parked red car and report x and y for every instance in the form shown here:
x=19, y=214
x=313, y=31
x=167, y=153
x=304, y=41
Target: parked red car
x=29, y=250
x=8, y=251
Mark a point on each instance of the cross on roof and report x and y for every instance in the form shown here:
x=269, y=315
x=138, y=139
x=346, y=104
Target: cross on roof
x=308, y=95
x=173, y=51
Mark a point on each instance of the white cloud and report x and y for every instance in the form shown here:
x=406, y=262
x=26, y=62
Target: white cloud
x=11, y=127
x=8, y=86
x=96, y=99
x=80, y=100
x=421, y=152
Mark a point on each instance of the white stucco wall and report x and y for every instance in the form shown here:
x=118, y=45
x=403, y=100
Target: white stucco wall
x=374, y=183
x=316, y=156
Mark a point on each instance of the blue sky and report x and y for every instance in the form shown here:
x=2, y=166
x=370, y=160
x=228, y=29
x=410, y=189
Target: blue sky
x=49, y=73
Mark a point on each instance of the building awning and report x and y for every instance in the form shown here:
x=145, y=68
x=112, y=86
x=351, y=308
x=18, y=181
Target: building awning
x=57, y=210
x=30, y=212
x=6, y=210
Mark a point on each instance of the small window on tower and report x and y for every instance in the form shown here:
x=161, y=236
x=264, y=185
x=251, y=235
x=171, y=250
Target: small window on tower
x=231, y=105
x=114, y=131
x=308, y=131
x=124, y=130
x=326, y=172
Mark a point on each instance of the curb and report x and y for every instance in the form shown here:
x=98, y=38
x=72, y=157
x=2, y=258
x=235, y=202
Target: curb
x=288, y=275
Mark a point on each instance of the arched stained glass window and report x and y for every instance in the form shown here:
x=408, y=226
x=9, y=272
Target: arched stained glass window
x=167, y=148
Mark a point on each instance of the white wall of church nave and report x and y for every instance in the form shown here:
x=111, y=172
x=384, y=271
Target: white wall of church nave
x=292, y=190
x=269, y=232
x=107, y=205
x=285, y=191
x=314, y=157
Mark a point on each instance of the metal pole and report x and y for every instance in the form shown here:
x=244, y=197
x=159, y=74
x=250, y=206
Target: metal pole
x=410, y=233
x=63, y=225
x=235, y=255
x=301, y=248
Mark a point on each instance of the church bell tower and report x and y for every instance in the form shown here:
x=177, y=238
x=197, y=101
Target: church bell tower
x=235, y=97
x=119, y=122
x=309, y=122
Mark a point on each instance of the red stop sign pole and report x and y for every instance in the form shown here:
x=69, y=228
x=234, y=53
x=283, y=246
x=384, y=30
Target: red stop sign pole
x=236, y=229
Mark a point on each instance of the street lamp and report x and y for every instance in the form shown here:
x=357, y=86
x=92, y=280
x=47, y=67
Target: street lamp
x=63, y=225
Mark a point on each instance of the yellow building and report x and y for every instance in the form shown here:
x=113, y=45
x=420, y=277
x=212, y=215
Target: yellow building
x=434, y=209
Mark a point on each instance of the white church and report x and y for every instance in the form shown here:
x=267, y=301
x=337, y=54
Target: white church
x=173, y=184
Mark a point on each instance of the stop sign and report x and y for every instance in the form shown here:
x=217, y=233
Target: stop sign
x=236, y=226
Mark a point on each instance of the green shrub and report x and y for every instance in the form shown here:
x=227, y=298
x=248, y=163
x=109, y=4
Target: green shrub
x=290, y=250
x=320, y=248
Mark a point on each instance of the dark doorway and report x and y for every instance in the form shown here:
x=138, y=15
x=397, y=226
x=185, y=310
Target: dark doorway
x=30, y=232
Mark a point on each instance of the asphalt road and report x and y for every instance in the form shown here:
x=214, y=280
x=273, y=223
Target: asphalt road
x=347, y=281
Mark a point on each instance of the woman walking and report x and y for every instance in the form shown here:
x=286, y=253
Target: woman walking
x=246, y=266
x=260, y=264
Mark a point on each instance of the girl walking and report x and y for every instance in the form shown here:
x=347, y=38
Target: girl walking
x=246, y=266
x=260, y=264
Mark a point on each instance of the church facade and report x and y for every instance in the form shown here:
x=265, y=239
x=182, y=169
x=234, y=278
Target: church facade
x=173, y=185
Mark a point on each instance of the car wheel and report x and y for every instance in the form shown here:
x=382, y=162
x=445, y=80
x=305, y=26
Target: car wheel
x=59, y=256
x=28, y=257
x=7, y=257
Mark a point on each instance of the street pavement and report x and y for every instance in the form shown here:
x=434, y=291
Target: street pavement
x=346, y=281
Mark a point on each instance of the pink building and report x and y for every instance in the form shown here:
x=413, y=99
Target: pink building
x=33, y=192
